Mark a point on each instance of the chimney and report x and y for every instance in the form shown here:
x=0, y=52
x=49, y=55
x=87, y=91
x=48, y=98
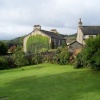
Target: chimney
x=54, y=30
x=36, y=27
x=80, y=23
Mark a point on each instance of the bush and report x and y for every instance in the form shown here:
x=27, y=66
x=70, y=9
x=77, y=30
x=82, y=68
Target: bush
x=29, y=58
x=37, y=58
x=78, y=61
x=3, y=48
x=49, y=57
x=10, y=61
x=3, y=63
x=90, y=55
x=20, y=59
x=61, y=56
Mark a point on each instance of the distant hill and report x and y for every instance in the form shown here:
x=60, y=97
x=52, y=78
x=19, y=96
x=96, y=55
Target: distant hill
x=16, y=41
x=19, y=40
x=70, y=38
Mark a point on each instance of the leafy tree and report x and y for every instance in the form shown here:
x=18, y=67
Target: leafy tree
x=3, y=48
x=91, y=53
x=3, y=63
x=20, y=59
x=12, y=49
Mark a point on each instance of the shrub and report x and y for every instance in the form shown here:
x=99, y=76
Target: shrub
x=37, y=58
x=12, y=49
x=3, y=63
x=10, y=61
x=29, y=58
x=61, y=56
x=20, y=59
x=90, y=55
x=78, y=61
x=64, y=56
x=48, y=57
x=92, y=52
x=3, y=48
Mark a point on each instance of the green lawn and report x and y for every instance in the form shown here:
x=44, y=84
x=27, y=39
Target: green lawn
x=49, y=82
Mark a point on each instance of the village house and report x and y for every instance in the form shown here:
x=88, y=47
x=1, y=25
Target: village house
x=74, y=46
x=84, y=32
x=55, y=38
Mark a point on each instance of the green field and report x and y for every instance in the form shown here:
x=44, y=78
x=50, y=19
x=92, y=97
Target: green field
x=49, y=82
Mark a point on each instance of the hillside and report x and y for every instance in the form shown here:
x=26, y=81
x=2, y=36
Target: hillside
x=71, y=38
x=16, y=41
x=19, y=40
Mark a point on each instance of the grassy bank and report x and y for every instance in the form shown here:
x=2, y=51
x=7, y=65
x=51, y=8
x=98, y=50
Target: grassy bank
x=49, y=82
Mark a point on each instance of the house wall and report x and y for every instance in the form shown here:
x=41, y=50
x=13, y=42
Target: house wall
x=87, y=36
x=79, y=36
x=74, y=46
x=35, y=32
x=24, y=42
x=57, y=42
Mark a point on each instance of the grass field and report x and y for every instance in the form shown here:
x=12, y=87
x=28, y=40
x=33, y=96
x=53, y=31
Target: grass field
x=49, y=82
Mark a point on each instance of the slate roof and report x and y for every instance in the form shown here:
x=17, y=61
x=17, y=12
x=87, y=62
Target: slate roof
x=52, y=34
x=74, y=42
x=90, y=30
x=72, y=47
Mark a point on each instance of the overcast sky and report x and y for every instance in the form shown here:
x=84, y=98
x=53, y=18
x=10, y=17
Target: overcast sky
x=17, y=17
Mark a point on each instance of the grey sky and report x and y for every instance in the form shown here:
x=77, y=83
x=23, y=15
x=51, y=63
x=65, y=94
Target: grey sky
x=17, y=17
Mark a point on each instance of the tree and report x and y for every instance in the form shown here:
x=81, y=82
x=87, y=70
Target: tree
x=12, y=49
x=3, y=63
x=3, y=48
x=19, y=57
x=91, y=53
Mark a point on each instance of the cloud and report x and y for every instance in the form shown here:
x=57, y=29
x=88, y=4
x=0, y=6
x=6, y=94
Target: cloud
x=17, y=17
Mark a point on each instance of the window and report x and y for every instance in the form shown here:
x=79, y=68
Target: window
x=58, y=42
x=54, y=41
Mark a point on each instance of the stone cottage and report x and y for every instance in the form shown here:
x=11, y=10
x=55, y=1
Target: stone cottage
x=55, y=39
x=84, y=32
x=73, y=46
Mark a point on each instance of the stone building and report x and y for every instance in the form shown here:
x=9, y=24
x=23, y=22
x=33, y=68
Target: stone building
x=54, y=38
x=84, y=32
x=73, y=46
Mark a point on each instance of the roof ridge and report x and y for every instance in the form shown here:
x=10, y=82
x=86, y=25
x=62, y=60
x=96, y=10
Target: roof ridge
x=91, y=26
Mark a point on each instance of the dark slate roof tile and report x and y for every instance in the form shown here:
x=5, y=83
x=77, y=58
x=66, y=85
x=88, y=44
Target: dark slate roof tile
x=90, y=30
x=52, y=34
x=74, y=42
